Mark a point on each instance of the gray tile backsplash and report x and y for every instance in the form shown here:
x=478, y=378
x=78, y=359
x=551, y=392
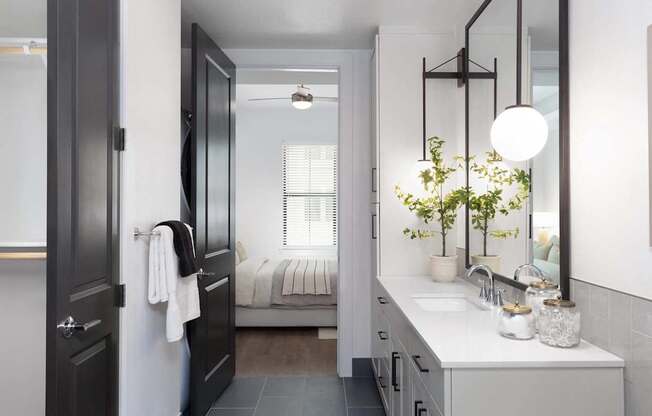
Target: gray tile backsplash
x=616, y=322
x=642, y=316
x=621, y=324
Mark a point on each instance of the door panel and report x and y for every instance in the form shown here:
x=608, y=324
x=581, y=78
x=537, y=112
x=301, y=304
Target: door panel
x=212, y=336
x=82, y=263
x=217, y=314
x=218, y=166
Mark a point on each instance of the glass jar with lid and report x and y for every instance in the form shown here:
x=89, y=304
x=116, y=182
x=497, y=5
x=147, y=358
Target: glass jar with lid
x=559, y=323
x=537, y=292
x=516, y=322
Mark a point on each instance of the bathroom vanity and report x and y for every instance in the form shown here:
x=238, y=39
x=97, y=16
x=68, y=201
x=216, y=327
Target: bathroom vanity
x=436, y=352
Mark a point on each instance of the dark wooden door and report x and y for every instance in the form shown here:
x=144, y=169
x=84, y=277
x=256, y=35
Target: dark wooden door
x=212, y=336
x=82, y=258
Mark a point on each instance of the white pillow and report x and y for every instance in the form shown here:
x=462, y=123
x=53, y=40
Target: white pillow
x=241, y=252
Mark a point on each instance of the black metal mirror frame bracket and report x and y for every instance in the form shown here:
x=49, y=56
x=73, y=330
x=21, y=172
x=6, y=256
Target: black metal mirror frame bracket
x=564, y=133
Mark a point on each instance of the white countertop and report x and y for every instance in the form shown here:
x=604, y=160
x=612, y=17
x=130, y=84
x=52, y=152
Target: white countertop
x=469, y=339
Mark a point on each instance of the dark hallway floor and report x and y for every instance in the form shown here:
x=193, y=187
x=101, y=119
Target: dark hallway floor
x=284, y=352
x=299, y=396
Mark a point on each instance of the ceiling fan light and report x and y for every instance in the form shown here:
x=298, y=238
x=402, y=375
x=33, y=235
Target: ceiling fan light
x=301, y=101
x=519, y=133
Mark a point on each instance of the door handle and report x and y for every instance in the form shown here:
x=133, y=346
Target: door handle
x=374, y=188
x=374, y=234
x=382, y=300
x=382, y=335
x=416, y=359
x=68, y=327
x=201, y=273
x=395, y=358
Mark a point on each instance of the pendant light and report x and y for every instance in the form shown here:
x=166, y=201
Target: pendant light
x=301, y=101
x=520, y=132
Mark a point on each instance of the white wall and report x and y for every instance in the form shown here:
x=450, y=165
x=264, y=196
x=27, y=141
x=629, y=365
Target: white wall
x=354, y=296
x=261, y=130
x=151, y=369
x=22, y=360
x=609, y=144
x=400, y=140
x=23, y=155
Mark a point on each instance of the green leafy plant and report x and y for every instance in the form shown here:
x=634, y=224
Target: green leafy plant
x=437, y=206
x=485, y=206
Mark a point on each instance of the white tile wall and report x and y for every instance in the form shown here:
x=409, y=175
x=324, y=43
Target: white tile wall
x=621, y=324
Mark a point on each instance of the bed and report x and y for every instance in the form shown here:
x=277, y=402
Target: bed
x=286, y=292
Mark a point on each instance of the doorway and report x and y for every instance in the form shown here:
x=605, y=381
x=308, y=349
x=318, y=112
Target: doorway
x=287, y=221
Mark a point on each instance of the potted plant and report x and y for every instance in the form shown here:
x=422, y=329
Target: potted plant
x=485, y=206
x=438, y=206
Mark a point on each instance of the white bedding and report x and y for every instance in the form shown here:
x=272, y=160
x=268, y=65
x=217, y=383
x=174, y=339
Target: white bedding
x=254, y=282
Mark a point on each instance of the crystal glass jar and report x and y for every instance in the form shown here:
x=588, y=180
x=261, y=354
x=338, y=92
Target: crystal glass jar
x=537, y=292
x=559, y=323
x=516, y=322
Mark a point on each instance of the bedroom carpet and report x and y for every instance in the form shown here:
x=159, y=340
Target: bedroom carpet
x=284, y=352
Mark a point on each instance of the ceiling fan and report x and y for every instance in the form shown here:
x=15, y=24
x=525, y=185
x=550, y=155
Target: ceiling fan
x=301, y=100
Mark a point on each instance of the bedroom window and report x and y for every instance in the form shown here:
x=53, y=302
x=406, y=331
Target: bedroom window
x=309, y=195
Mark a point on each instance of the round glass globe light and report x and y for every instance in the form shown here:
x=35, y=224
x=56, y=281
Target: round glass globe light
x=301, y=102
x=519, y=133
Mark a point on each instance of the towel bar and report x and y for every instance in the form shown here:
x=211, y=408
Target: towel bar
x=138, y=233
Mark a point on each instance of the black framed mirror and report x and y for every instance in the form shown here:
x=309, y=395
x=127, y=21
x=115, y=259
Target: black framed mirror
x=518, y=207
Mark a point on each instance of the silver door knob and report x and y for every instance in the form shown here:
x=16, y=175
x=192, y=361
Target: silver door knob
x=68, y=327
x=201, y=273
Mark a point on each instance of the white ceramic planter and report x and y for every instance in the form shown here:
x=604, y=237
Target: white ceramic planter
x=443, y=269
x=492, y=261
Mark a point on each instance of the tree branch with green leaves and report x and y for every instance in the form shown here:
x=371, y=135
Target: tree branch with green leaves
x=484, y=207
x=438, y=206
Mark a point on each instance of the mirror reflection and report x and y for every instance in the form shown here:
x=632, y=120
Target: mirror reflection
x=514, y=205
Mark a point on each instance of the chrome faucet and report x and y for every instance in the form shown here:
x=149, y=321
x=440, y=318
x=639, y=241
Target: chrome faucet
x=488, y=295
x=537, y=271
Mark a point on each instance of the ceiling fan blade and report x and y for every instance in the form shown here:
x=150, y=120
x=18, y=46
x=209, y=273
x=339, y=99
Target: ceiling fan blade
x=327, y=99
x=269, y=99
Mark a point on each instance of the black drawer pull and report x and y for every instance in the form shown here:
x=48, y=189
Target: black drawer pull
x=395, y=358
x=416, y=359
x=417, y=407
x=383, y=335
x=382, y=300
x=380, y=382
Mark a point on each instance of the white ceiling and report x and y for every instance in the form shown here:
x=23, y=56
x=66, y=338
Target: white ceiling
x=303, y=23
x=313, y=24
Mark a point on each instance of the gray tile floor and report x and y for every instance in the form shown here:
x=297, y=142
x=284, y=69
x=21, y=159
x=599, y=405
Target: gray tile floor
x=299, y=396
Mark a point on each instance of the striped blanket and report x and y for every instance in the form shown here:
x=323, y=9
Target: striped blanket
x=307, y=277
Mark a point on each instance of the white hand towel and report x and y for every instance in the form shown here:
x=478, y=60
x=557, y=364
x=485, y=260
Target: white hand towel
x=165, y=283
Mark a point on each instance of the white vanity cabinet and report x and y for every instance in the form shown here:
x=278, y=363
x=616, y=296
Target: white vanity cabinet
x=407, y=376
x=455, y=364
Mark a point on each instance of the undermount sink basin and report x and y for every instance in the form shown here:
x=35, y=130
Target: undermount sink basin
x=446, y=303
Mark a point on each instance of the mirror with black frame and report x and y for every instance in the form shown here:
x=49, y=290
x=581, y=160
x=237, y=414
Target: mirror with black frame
x=514, y=148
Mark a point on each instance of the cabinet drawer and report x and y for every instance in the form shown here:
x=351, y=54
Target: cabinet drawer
x=380, y=332
x=397, y=323
x=383, y=383
x=422, y=403
x=434, y=377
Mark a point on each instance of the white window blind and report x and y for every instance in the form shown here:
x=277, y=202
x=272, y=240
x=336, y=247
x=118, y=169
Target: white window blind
x=309, y=195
